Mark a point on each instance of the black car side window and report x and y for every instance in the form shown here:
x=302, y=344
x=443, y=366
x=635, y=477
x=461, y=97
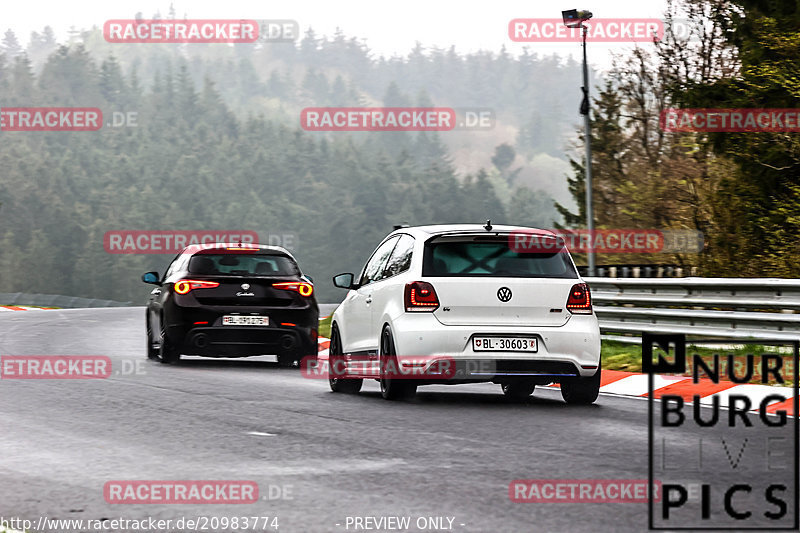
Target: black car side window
x=174, y=266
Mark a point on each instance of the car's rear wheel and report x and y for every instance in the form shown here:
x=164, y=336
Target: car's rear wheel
x=152, y=348
x=336, y=367
x=518, y=390
x=393, y=388
x=167, y=353
x=581, y=391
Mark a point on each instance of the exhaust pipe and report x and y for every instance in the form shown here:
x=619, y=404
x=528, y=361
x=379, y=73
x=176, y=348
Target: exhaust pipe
x=288, y=343
x=201, y=340
x=288, y=352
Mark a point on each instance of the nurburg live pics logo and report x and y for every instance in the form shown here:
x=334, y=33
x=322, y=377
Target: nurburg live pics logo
x=733, y=469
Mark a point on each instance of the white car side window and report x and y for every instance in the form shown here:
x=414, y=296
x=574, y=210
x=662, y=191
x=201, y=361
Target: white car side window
x=374, y=269
x=400, y=260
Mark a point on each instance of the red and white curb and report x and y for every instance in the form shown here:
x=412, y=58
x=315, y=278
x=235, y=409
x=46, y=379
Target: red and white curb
x=21, y=308
x=324, y=344
x=634, y=384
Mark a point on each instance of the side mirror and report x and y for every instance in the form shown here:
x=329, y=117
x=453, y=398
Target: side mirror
x=151, y=277
x=344, y=281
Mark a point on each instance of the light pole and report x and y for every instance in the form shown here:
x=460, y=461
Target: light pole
x=575, y=19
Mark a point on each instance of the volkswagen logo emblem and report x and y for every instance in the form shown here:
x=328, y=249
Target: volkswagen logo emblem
x=504, y=294
x=245, y=286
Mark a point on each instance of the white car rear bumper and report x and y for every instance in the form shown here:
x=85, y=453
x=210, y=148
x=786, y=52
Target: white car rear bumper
x=576, y=343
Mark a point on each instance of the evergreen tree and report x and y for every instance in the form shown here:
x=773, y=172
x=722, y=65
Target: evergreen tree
x=10, y=45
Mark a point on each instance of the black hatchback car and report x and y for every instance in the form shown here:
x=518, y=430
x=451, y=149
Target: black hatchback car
x=232, y=300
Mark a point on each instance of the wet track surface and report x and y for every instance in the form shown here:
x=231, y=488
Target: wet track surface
x=450, y=452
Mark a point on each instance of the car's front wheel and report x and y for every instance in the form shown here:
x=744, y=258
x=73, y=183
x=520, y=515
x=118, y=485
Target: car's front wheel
x=392, y=387
x=518, y=390
x=336, y=367
x=581, y=391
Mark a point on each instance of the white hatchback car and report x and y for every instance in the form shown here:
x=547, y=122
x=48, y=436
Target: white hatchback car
x=462, y=304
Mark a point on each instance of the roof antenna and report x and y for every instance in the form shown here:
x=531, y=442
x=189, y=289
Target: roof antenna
x=488, y=225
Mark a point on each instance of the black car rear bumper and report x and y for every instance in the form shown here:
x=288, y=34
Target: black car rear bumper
x=232, y=341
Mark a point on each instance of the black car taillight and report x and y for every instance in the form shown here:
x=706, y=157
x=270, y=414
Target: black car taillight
x=580, y=300
x=185, y=285
x=420, y=296
x=301, y=287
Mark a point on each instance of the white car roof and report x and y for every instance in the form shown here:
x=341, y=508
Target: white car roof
x=442, y=229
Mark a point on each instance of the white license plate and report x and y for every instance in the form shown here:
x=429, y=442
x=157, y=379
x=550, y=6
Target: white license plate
x=504, y=344
x=238, y=320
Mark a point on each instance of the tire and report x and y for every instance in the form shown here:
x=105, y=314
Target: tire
x=581, y=391
x=339, y=384
x=167, y=353
x=518, y=390
x=152, y=351
x=393, y=389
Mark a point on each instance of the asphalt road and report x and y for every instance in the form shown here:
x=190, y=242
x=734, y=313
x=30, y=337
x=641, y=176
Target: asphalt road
x=327, y=309
x=451, y=452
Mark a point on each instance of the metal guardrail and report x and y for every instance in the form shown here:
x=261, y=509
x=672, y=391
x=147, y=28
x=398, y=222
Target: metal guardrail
x=56, y=300
x=728, y=308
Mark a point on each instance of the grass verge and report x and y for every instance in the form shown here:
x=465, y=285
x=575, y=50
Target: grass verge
x=325, y=327
x=628, y=357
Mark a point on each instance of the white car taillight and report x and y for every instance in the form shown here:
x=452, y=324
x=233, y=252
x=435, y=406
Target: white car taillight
x=580, y=300
x=421, y=296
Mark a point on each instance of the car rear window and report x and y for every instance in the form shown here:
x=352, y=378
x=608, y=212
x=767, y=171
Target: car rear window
x=243, y=265
x=492, y=258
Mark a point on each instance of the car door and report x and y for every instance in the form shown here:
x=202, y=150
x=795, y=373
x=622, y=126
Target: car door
x=358, y=304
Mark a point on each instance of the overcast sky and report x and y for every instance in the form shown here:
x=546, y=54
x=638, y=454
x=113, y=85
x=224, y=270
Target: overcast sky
x=388, y=27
